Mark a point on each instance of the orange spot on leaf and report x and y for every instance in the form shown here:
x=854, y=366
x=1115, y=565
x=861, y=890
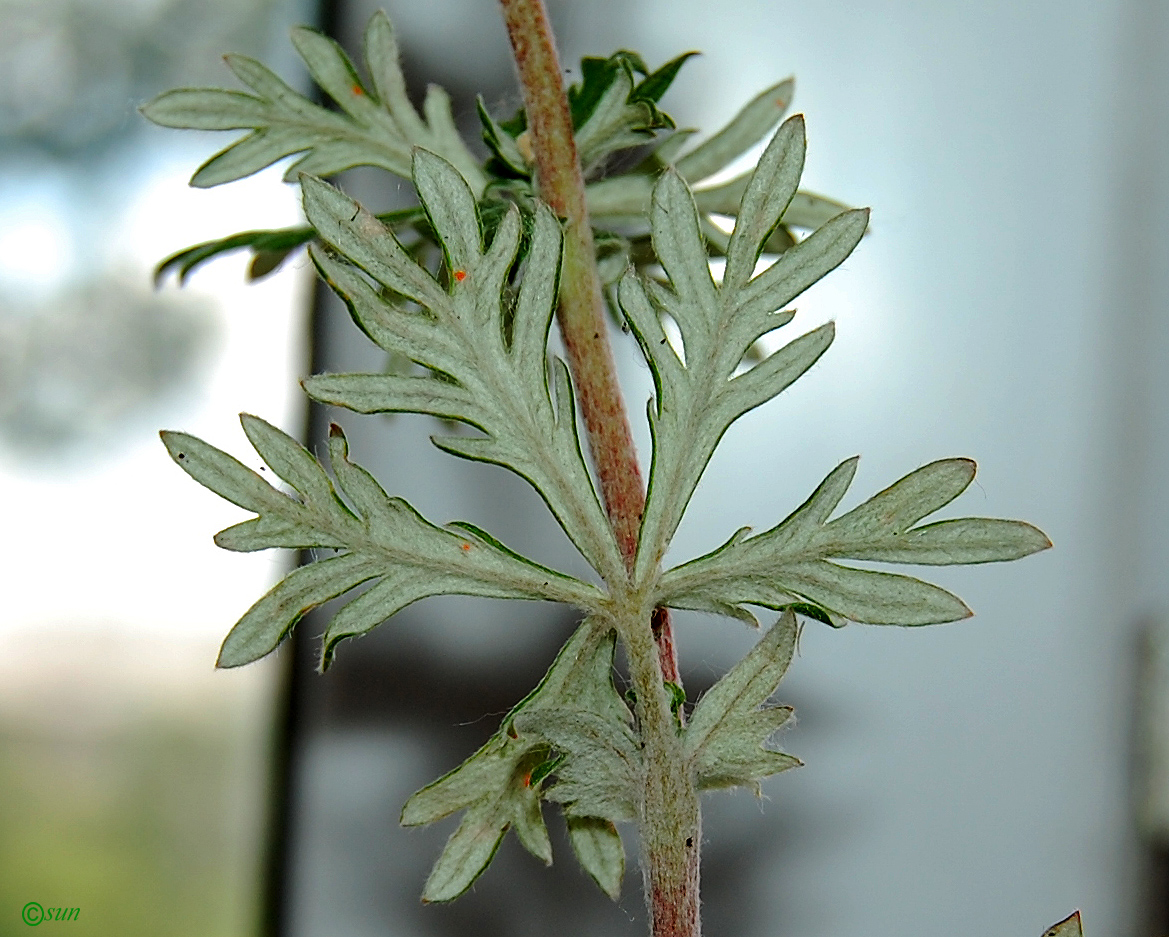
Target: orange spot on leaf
x=466, y=547
x=356, y=89
x=460, y=275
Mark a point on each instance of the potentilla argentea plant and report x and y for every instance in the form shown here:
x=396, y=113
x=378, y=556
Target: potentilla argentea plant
x=463, y=289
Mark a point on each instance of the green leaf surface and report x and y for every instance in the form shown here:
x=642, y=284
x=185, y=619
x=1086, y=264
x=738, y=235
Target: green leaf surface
x=374, y=125
x=728, y=730
x=378, y=538
x=501, y=784
x=611, y=111
x=279, y=241
x=794, y=561
x=501, y=143
x=699, y=397
x=491, y=354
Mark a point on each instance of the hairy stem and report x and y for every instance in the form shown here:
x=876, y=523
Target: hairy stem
x=670, y=821
x=670, y=816
x=581, y=313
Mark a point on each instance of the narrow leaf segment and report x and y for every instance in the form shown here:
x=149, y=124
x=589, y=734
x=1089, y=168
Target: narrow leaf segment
x=1070, y=926
x=377, y=539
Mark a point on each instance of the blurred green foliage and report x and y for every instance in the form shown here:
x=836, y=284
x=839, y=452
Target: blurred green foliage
x=138, y=827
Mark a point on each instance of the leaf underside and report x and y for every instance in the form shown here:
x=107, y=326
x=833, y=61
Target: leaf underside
x=797, y=560
x=726, y=736
x=375, y=538
x=489, y=348
x=477, y=328
x=374, y=124
x=701, y=392
x=614, y=110
x=501, y=785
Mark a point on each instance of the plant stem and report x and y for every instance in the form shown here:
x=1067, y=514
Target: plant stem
x=581, y=312
x=670, y=815
x=670, y=820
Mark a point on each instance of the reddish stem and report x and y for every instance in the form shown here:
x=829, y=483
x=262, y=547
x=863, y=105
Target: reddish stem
x=581, y=313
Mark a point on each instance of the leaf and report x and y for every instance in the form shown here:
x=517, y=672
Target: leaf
x=623, y=200
x=598, y=848
x=654, y=86
x=591, y=727
x=793, y=562
x=725, y=740
x=601, y=774
x=379, y=539
x=491, y=357
x=611, y=111
x=501, y=143
x=189, y=258
x=696, y=400
x=375, y=125
x=500, y=785
x=1070, y=926
x=278, y=241
x=754, y=122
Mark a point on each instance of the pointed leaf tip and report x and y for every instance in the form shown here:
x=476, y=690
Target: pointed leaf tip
x=729, y=728
x=369, y=127
x=797, y=561
x=1071, y=926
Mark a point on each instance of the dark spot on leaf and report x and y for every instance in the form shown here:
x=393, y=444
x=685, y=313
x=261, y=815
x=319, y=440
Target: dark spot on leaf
x=689, y=842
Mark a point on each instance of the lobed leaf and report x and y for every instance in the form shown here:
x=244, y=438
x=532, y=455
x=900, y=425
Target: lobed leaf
x=697, y=399
x=374, y=126
x=728, y=730
x=794, y=561
x=487, y=357
x=379, y=539
x=500, y=786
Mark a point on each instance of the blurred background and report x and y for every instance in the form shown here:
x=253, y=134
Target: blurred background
x=977, y=778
